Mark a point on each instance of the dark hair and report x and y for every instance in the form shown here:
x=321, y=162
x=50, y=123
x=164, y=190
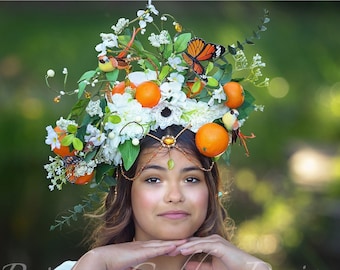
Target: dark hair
x=117, y=220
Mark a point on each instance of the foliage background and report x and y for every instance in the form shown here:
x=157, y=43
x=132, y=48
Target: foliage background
x=285, y=196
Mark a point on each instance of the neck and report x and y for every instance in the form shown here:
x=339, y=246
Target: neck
x=164, y=263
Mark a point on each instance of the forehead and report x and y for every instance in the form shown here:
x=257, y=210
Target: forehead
x=161, y=156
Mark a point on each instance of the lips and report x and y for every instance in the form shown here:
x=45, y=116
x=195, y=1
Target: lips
x=177, y=214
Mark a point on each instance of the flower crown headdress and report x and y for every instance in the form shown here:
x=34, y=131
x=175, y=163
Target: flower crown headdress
x=137, y=86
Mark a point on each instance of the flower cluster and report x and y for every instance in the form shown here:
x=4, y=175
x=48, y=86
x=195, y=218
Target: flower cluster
x=115, y=109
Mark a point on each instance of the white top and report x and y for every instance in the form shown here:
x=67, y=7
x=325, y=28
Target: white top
x=66, y=265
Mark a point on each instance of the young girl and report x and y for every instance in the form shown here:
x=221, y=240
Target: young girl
x=153, y=137
x=166, y=218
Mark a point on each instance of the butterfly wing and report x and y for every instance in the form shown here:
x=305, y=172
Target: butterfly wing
x=198, y=50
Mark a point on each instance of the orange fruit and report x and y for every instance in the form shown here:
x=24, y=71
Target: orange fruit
x=81, y=180
x=120, y=87
x=148, y=94
x=212, y=139
x=190, y=84
x=63, y=151
x=235, y=94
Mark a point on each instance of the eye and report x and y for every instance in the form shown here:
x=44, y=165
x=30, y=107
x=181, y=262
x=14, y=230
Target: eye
x=191, y=180
x=153, y=180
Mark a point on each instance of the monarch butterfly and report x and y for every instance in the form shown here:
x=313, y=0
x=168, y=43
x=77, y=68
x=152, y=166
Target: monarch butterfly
x=198, y=50
x=69, y=163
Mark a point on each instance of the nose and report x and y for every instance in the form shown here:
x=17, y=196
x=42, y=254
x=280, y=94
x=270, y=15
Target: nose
x=174, y=193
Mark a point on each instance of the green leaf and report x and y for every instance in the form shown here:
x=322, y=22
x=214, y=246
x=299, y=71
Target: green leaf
x=129, y=153
x=164, y=72
x=114, y=119
x=77, y=144
x=212, y=82
x=109, y=180
x=112, y=75
x=79, y=107
x=196, y=87
x=81, y=87
x=167, y=51
x=67, y=140
x=87, y=76
x=209, y=67
x=102, y=170
x=72, y=129
x=227, y=74
x=181, y=42
x=78, y=208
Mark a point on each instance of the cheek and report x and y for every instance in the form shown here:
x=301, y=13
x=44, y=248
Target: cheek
x=143, y=200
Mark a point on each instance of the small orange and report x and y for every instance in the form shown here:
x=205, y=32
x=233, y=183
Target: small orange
x=212, y=139
x=120, y=87
x=148, y=94
x=81, y=180
x=235, y=94
x=63, y=151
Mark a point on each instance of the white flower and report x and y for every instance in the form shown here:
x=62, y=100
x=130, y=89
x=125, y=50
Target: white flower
x=65, y=71
x=161, y=39
x=52, y=138
x=138, y=77
x=152, y=9
x=50, y=73
x=144, y=17
x=174, y=62
x=240, y=60
x=257, y=61
x=93, y=108
x=128, y=109
x=176, y=77
x=218, y=95
x=94, y=135
x=109, y=41
x=172, y=91
x=55, y=172
x=64, y=123
x=166, y=114
x=121, y=24
x=83, y=168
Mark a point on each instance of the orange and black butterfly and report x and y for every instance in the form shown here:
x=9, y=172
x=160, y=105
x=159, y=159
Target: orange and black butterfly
x=198, y=50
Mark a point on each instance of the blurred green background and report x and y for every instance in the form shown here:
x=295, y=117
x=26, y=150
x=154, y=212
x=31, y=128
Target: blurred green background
x=285, y=196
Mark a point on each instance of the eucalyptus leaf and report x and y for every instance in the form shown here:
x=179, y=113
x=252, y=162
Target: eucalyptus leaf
x=67, y=140
x=129, y=153
x=181, y=42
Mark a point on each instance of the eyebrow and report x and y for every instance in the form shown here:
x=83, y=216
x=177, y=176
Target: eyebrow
x=161, y=168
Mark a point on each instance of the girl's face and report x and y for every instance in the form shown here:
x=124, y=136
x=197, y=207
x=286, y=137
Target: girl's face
x=168, y=204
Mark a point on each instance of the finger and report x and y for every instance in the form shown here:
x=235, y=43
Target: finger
x=160, y=243
x=198, y=265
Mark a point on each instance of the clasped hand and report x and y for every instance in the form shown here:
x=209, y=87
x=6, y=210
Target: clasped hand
x=225, y=256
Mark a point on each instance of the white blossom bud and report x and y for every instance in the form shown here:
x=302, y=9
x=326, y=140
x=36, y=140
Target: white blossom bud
x=135, y=141
x=50, y=73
